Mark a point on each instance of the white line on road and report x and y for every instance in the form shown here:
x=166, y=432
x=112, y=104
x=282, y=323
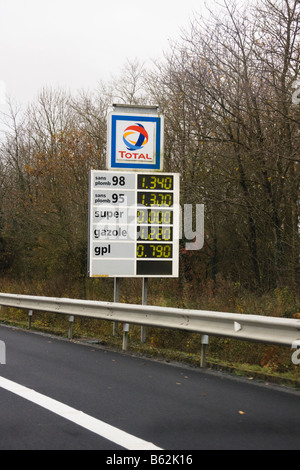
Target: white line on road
x=111, y=433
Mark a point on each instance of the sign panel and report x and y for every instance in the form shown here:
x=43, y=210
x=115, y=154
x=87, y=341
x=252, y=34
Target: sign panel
x=133, y=224
x=135, y=141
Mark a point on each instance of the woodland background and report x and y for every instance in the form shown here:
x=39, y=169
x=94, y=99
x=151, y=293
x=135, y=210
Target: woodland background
x=228, y=90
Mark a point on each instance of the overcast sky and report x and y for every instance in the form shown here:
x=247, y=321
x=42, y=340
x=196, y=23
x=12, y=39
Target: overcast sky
x=75, y=43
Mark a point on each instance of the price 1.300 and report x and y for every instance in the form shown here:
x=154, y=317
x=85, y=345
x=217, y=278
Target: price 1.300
x=155, y=199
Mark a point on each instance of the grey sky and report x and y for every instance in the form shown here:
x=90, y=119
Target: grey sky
x=75, y=43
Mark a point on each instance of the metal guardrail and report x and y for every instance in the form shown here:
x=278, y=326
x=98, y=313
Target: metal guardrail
x=278, y=331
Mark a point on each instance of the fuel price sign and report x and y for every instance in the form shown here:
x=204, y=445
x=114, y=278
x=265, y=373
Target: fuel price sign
x=134, y=224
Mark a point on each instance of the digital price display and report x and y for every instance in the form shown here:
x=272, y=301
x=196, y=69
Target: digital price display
x=156, y=182
x=133, y=224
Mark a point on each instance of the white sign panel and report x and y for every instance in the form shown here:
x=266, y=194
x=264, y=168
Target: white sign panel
x=133, y=224
x=135, y=141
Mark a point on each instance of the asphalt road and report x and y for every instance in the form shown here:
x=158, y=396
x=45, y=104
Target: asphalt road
x=170, y=407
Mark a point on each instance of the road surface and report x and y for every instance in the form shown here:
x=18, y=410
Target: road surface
x=62, y=395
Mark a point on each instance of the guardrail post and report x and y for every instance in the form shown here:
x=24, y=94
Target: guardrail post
x=71, y=323
x=125, y=336
x=30, y=313
x=204, y=344
x=116, y=299
x=144, y=302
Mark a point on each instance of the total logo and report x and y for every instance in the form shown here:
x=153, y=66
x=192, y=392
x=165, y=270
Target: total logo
x=135, y=137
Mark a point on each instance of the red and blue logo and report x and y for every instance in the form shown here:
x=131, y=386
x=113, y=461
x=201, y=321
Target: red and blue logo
x=135, y=137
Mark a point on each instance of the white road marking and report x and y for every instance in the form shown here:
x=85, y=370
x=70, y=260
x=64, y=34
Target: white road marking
x=111, y=433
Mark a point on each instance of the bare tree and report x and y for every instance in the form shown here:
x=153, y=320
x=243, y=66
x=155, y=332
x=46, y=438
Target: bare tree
x=227, y=94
